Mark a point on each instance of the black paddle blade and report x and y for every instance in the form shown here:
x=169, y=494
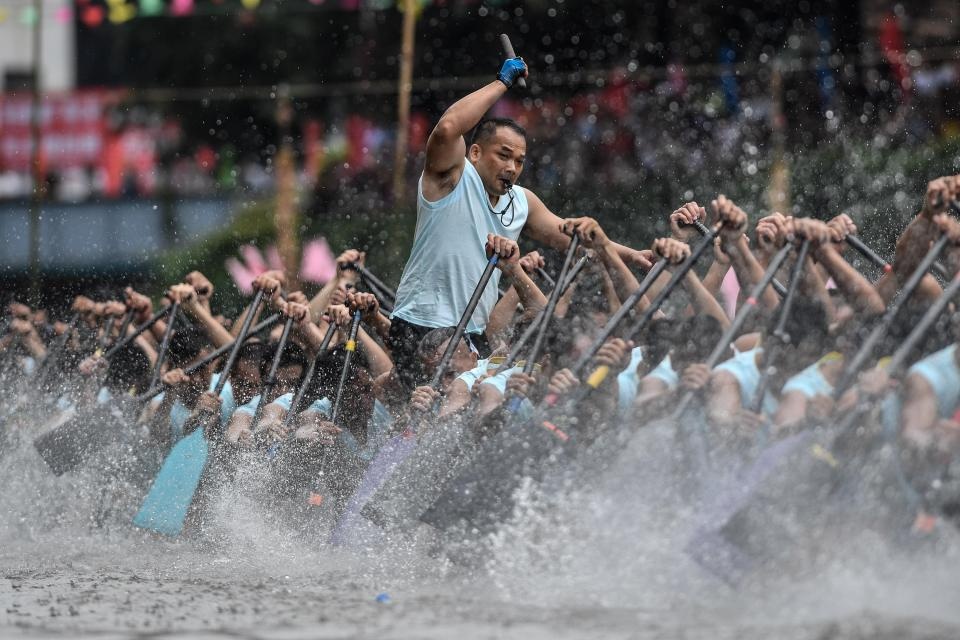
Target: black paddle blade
x=67, y=446
x=482, y=496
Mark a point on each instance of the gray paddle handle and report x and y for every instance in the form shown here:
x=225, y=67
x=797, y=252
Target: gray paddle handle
x=271, y=380
x=165, y=344
x=308, y=376
x=125, y=340
x=508, y=49
x=748, y=309
x=464, y=319
x=351, y=348
x=866, y=350
x=551, y=306
x=241, y=337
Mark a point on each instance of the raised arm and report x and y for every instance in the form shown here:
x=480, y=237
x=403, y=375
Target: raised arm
x=546, y=227
x=446, y=149
x=734, y=243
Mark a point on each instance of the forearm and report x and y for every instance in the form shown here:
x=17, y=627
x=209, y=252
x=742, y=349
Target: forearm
x=464, y=114
x=702, y=300
x=748, y=270
x=528, y=293
x=714, y=278
x=377, y=359
x=215, y=331
x=624, y=282
x=912, y=246
x=857, y=291
x=321, y=301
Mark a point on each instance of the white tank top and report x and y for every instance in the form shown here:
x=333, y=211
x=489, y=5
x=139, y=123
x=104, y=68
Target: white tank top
x=448, y=255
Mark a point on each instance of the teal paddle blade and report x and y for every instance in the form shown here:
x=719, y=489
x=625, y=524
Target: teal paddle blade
x=165, y=507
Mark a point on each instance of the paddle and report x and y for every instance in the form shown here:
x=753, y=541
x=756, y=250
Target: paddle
x=482, y=493
x=779, y=337
x=266, y=389
x=374, y=282
x=400, y=447
x=166, y=505
x=725, y=558
x=443, y=450
x=69, y=444
x=508, y=49
x=162, y=353
x=870, y=344
x=316, y=496
x=210, y=357
x=703, y=230
x=304, y=386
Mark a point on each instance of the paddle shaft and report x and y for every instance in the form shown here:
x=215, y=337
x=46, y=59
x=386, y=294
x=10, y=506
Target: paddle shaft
x=308, y=376
x=898, y=362
x=534, y=354
x=241, y=337
x=165, y=344
x=508, y=49
x=454, y=341
x=868, y=253
x=776, y=284
x=210, y=357
x=866, y=350
x=271, y=380
x=125, y=340
x=779, y=335
x=531, y=330
x=546, y=277
x=351, y=348
x=748, y=309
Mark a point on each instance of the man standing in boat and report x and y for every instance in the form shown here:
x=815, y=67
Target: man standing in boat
x=465, y=196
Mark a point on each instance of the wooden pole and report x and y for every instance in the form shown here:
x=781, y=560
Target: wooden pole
x=403, y=99
x=285, y=215
x=778, y=194
x=36, y=154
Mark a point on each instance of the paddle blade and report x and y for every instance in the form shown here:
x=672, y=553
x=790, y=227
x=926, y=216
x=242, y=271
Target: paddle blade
x=165, y=508
x=65, y=447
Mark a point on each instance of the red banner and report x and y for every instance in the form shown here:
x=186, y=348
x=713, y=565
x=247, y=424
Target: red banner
x=73, y=127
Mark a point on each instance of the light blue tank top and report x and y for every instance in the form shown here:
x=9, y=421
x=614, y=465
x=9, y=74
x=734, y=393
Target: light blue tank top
x=743, y=367
x=940, y=370
x=810, y=382
x=627, y=383
x=665, y=373
x=179, y=413
x=449, y=256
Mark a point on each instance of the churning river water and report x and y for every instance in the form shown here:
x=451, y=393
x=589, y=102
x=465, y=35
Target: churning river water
x=604, y=560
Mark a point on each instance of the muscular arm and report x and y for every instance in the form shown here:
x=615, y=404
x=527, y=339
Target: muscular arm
x=748, y=269
x=544, y=226
x=855, y=288
x=446, y=150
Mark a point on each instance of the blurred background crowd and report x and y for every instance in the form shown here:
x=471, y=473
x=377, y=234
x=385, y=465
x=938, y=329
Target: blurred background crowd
x=633, y=105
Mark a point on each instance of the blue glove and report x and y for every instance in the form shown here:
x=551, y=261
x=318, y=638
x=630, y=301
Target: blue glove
x=512, y=69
